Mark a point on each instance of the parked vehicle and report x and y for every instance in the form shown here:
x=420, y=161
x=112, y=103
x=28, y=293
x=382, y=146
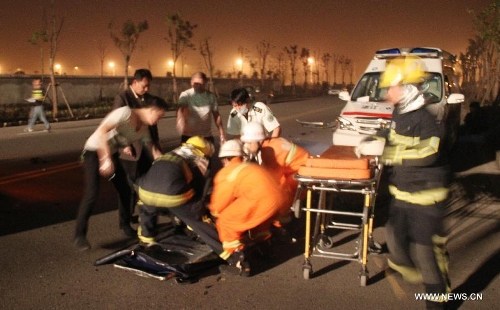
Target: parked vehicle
x=334, y=91
x=260, y=95
x=366, y=110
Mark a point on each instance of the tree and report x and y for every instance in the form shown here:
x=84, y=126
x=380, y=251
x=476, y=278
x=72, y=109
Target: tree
x=179, y=36
x=292, y=53
x=40, y=38
x=281, y=72
x=344, y=63
x=264, y=49
x=304, y=58
x=102, y=52
x=325, y=62
x=208, y=57
x=483, y=55
x=243, y=58
x=335, y=61
x=126, y=40
x=53, y=37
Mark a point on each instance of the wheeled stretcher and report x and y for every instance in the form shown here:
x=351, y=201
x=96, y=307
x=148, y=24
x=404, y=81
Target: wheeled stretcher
x=338, y=170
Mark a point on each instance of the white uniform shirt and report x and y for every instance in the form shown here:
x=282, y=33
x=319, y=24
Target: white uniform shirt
x=198, y=121
x=122, y=135
x=257, y=112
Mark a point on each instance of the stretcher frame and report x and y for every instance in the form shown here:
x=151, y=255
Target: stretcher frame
x=367, y=188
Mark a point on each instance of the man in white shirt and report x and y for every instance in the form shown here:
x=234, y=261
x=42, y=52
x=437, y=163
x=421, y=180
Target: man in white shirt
x=197, y=106
x=244, y=112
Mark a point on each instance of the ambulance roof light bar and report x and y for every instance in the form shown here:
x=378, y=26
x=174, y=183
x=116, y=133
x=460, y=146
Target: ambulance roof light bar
x=428, y=52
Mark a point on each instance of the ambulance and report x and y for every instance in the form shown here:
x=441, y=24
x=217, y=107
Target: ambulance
x=366, y=110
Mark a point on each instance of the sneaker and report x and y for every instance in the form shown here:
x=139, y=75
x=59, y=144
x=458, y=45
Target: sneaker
x=28, y=130
x=47, y=130
x=128, y=231
x=81, y=244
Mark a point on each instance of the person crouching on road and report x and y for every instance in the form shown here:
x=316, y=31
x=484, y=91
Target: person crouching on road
x=418, y=182
x=176, y=181
x=119, y=129
x=244, y=202
x=279, y=156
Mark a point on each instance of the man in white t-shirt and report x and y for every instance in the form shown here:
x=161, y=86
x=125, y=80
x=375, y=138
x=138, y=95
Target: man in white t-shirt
x=244, y=112
x=197, y=106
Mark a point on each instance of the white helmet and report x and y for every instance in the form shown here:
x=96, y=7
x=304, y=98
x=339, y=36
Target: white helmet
x=253, y=132
x=231, y=148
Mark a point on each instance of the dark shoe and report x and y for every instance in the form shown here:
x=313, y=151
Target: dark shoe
x=237, y=265
x=81, y=244
x=129, y=231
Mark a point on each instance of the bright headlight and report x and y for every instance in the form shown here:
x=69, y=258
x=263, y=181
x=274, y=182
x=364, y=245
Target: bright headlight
x=345, y=124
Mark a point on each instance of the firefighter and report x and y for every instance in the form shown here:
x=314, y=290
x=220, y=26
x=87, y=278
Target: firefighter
x=176, y=181
x=281, y=157
x=244, y=202
x=418, y=182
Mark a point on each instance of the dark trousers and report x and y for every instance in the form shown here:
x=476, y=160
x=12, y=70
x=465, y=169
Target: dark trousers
x=411, y=238
x=134, y=170
x=191, y=214
x=92, y=181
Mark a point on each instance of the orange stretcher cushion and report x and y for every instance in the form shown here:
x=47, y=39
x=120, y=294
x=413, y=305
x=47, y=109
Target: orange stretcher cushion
x=355, y=163
x=337, y=162
x=335, y=173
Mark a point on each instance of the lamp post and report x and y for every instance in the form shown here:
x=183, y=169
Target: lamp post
x=239, y=62
x=112, y=66
x=310, y=60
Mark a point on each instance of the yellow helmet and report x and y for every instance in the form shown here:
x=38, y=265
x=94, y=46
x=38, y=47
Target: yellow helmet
x=201, y=144
x=403, y=70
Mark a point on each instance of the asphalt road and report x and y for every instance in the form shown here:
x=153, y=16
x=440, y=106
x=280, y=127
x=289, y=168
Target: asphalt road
x=40, y=186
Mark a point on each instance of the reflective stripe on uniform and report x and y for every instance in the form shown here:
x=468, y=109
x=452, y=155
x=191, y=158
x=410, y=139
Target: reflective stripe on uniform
x=234, y=173
x=162, y=200
x=424, y=197
x=229, y=245
x=291, y=154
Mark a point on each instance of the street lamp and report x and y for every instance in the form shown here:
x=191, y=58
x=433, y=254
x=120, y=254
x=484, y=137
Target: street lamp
x=239, y=62
x=170, y=69
x=112, y=66
x=58, y=68
x=310, y=60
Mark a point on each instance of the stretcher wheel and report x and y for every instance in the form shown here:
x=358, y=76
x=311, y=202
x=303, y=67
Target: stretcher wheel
x=306, y=271
x=326, y=242
x=363, y=278
x=296, y=208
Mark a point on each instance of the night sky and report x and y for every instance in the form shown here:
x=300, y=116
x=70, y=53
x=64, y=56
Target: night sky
x=353, y=28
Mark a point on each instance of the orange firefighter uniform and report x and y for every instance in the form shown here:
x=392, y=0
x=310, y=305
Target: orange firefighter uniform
x=282, y=159
x=245, y=198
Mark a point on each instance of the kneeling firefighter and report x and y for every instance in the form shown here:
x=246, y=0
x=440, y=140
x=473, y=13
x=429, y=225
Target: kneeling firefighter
x=176, y=181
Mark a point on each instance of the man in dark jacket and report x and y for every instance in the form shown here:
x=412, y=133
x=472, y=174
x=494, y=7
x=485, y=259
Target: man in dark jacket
x=135, y=160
